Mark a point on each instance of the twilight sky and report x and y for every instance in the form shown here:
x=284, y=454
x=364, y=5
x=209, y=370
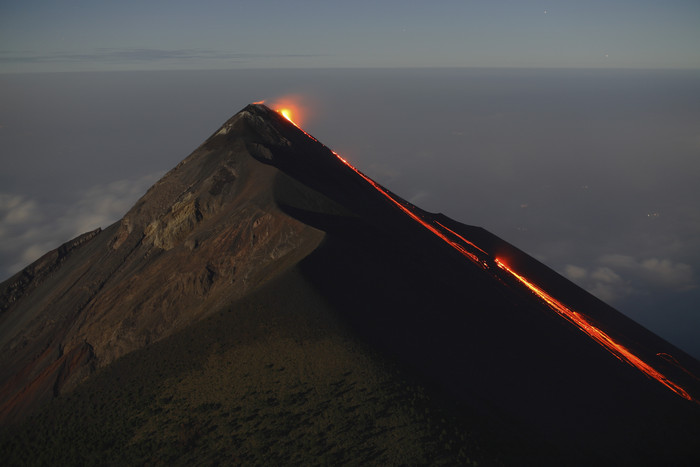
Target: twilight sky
x=41, y=35
x=570, y=129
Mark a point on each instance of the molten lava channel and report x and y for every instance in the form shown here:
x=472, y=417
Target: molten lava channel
x=481, y=258
x=598, y=335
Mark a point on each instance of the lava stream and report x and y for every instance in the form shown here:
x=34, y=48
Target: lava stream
x=435, y=230
x=597, y=334
x=480, y=257
x=466, y=253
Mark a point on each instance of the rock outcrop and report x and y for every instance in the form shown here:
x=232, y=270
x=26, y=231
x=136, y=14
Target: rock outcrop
x=32, y=276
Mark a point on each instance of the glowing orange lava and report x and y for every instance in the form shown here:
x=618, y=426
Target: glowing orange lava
x=287, y=113
x=460, y=237
x=597, y=334
x=481, y=258
x=671, y=359
x=290, y=107
x=406, y=209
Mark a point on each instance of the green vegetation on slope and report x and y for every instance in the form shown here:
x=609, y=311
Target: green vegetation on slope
x=265, y=382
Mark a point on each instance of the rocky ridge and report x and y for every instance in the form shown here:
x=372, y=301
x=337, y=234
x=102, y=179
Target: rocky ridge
x=209, y=231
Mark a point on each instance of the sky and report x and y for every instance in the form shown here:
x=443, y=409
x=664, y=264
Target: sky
x=569, y=129
x=72, y=35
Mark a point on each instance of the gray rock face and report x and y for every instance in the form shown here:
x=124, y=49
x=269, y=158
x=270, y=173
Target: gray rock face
x=205, y=234
x=30, y=277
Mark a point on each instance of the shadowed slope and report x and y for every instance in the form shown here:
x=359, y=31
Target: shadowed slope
x=275, y=379
x=435, y=293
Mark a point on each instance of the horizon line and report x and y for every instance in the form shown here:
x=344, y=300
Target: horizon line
x=311, y=68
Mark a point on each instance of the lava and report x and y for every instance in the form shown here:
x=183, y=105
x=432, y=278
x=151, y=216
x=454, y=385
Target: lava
x=598, y=335
x=287, y=113
x=290, y=107
x=481, y=258
x=460, y=237
x=674, y=361
x=406, y=209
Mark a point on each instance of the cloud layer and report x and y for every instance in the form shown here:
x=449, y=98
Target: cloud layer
x=144, y=58
x=28, y=229
x=614, y=277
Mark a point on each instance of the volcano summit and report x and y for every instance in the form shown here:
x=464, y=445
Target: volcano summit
x=267, y=302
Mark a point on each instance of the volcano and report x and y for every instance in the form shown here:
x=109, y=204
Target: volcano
x=267, y=302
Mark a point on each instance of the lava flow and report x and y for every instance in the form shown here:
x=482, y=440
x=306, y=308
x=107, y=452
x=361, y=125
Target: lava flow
x=290, y=108
x=602, y=338
x=436, y=230
x=481, y=258
x=286, y=113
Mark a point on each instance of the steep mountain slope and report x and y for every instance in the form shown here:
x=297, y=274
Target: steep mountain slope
x=201, y=237
x=493, y=334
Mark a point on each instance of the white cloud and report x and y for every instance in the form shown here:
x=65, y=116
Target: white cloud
x=28, y=228
x=575, y=273
x=618, y=276
x=602, y=282
x=102, y=205
x=665, y=273
x=605, y=275
x=608, y=285
x=654, y=272
x=16, y=209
